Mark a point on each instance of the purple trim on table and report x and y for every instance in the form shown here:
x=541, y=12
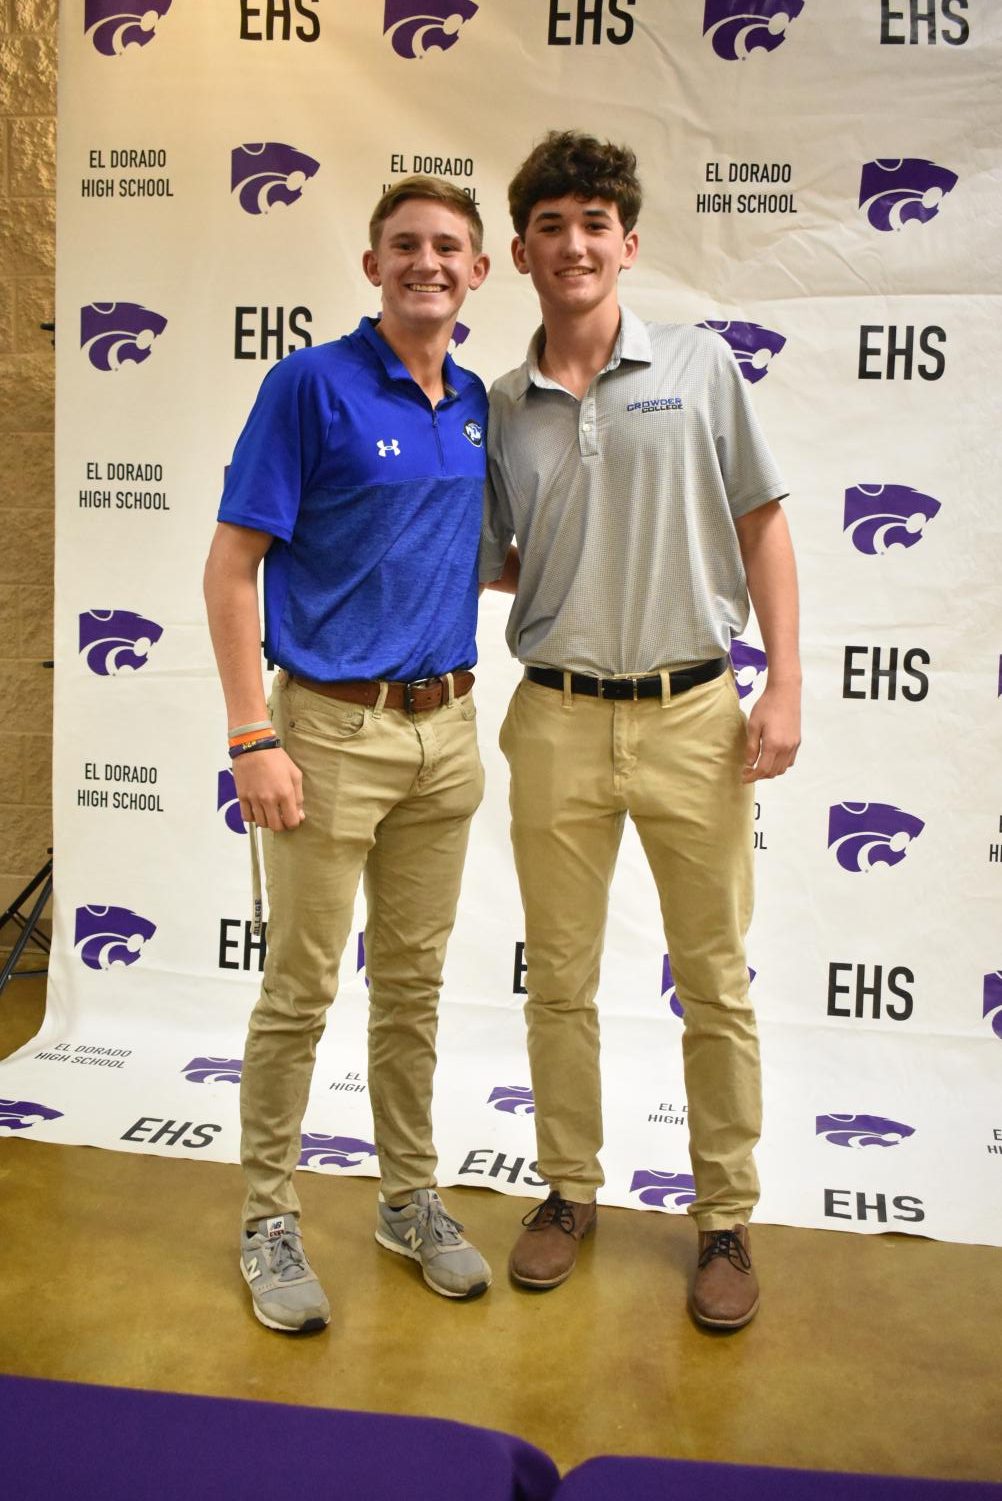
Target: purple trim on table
x=611, y=1479
x=102, y=1443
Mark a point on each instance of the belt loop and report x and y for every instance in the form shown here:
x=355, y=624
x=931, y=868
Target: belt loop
x=665, y=677
x=568, y=695
x=377, y=710
x=450, y=684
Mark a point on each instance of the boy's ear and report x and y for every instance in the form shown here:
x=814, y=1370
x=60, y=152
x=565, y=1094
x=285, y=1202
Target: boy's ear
x=518, y=255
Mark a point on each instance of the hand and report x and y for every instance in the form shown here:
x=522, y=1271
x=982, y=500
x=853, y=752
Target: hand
x=270, y=789
x=773, y=734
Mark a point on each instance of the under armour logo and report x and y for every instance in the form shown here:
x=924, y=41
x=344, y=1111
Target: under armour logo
x=385, y=449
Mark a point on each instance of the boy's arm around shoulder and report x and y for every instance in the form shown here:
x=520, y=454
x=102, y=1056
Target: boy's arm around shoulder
x=774, y=722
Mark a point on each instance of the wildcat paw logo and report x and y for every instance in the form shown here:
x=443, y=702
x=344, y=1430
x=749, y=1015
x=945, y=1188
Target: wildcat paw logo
x=749, y=664
x=663, y=1190
x=117, y=641
x=115, y=334
x=753, y=346
x=513, y=1099
x=737, y=28
x=415, y=28
x=334, y=1151
x=862, y=1130
x=228, y=803
x=992, y=1001
x=116, y=26
x=213, y=1070
x=269, y=174
x=109, y=936
x=879, y=517
x=21, y=1115
x=668, y=987
x=867, y=835
x=909, y=190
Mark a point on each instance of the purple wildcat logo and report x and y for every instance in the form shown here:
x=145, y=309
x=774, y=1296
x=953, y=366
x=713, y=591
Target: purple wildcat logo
x=416, y=26
x=513, y=1099
x=752, y=345
x=740, y=27
x=226, y=798
x=269, y=173
x=334, y=1151
x=663, y=1190
x=907, y=191
x=865, y=835
x=749, y=663
x=992, y=1001
x=115, y=641
x=21, y=1115
x=878, y=517
x=862, y=1130
x=106, y=936
x=668, y=987
x=118, y=333
x=213, y=1070
x=116, y=25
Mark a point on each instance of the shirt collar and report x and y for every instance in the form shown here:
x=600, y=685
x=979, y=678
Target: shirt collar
x=454, y=377
x=633, y=342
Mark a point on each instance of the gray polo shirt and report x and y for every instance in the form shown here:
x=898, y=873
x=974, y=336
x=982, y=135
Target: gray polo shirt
x=623, y=504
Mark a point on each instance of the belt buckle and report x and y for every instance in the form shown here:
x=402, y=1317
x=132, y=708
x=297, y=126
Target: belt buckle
x=417, y=683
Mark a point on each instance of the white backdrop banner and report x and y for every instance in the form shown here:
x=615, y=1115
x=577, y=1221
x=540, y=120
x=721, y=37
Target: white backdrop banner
x=823, y=190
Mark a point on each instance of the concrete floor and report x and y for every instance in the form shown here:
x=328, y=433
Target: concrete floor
x=878, y=1354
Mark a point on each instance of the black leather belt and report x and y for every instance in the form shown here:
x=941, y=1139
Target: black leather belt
x=630, y=688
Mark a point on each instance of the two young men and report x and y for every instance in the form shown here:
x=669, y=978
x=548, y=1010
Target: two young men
x=625, y=459
x=626, y=462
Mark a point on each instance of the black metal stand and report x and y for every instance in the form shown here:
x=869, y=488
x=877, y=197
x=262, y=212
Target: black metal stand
x=28, y=925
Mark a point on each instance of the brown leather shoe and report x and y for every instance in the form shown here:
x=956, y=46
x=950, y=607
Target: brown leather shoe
x=725, y=1292
x=545, y=1252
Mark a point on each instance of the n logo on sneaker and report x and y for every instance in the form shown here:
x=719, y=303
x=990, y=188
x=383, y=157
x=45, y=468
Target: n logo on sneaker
x=276, y=1228
x=251, y=1269
x=413, y=1238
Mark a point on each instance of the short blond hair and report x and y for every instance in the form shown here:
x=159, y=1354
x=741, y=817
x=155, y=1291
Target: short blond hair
x=438, y=190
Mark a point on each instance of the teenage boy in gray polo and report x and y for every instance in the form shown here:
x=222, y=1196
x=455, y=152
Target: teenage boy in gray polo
x=625, y=459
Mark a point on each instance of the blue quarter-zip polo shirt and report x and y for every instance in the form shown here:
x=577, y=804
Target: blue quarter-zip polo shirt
x=375, y=500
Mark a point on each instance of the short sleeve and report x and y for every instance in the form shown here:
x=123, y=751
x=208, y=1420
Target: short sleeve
x=276, y=451
x=750, y=473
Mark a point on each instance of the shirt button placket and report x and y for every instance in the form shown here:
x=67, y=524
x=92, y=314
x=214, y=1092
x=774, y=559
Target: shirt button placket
x=588, y=434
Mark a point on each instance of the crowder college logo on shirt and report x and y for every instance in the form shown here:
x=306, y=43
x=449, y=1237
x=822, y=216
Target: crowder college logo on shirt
x=657, y=404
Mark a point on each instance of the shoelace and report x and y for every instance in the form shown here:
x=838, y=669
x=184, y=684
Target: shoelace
x=553, y=1211
x=285, y=1257
x=439, y=1225
x=727, y=1243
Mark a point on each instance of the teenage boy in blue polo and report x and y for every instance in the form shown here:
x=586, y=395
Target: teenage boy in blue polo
x=358, y=481
x=627, y=462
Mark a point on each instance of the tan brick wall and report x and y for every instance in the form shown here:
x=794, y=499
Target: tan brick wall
x=27, y=297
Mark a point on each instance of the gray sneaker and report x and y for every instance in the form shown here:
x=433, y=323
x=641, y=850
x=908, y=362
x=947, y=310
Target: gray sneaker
x=283, y=1285
x=423, y=1231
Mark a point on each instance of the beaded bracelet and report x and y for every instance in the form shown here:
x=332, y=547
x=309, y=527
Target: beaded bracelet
x=270, y=742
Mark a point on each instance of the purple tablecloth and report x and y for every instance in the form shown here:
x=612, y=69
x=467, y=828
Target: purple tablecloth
x=610, y=1479
x=60, y=1441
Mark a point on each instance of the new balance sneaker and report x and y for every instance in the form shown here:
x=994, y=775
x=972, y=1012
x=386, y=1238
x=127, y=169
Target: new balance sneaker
x=283, y=1286
x=424, y=1231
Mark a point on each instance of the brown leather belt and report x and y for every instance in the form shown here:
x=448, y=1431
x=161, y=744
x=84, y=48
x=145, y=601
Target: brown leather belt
x=416, y=697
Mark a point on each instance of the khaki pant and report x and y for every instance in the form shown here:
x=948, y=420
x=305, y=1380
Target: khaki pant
x=579, y=765
x=389, y=795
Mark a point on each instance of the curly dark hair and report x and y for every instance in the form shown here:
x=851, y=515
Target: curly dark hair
x=567, y=161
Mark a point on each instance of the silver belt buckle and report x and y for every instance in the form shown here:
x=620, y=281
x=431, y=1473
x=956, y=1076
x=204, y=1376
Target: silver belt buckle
x=417, y=683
